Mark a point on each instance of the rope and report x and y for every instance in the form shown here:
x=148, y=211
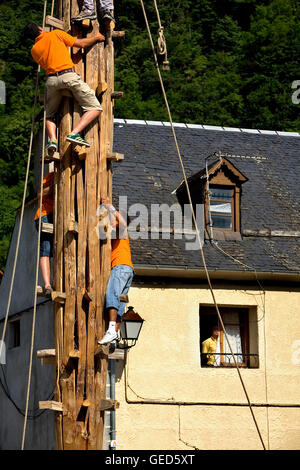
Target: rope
x=195, y=222
x=36, y=269
x=22, y=208
x=161, y=41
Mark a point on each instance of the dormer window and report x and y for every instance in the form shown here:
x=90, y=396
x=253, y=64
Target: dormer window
x=221, y=207
x=218, y=189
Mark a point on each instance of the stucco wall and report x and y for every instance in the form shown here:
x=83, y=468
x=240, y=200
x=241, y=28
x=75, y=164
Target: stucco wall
x=165, y=365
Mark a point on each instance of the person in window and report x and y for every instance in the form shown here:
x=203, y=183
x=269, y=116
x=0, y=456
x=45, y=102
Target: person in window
x=121, y=272
x=209, y=347
x=88, y=11
x=46, y=241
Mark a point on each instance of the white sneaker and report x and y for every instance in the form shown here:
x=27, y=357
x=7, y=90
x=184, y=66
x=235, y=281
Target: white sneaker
x=108, y=337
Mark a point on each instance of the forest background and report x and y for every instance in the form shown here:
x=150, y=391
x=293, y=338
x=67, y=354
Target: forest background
x=232, y=62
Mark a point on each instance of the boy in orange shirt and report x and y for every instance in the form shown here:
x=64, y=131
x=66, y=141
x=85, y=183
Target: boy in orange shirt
x=50, y=51
x=121, y=273
x=46, y=238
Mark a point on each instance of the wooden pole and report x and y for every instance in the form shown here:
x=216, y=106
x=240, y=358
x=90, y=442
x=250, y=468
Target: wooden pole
x=81, y=264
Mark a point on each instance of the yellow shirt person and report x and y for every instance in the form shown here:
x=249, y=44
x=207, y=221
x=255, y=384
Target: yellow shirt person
x=209, y=347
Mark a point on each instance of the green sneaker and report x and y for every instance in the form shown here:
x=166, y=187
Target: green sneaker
x=77, y=139
x=51, y=147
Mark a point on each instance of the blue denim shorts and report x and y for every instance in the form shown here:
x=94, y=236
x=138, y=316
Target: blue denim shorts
x=46, y=238
x=119, y=283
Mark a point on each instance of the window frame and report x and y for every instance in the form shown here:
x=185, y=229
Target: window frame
x=232, y=203
x=244, y=325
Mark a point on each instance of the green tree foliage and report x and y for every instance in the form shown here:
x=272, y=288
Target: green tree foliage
x=232, y=63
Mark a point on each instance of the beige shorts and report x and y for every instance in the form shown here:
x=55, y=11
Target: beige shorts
x=83, y=94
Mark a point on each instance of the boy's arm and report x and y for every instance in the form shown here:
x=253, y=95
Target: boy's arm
x=87, y=42
x=48, y=191
x=122, y=223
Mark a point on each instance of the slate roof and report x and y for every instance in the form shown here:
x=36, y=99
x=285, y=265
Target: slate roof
x=270, y=198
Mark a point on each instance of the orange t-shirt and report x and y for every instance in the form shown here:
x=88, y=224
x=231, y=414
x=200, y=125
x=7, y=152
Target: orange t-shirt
x=120, y=252
x=47, y=202
x=50, y=51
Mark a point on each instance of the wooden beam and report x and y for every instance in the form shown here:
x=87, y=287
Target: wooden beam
x=75, y=353
x=102, y=350
x=118, y=354
x=86, y=23
x=108, y=405
x=54, y=22
x=42, y=353
x=73, y=226
x=101, y=88
x=115, y=157
x=59, y=297
x=117, y=95
x=118, y=34
x=52, y=157
x=81, y=151
x=51, y=405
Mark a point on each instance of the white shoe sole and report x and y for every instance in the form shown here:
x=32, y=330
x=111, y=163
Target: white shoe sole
x=107, y=342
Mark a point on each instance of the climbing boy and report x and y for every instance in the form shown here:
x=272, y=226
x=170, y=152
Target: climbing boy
x=121, y=272
x=50, y=51
x=88, y=11
x=46, y=241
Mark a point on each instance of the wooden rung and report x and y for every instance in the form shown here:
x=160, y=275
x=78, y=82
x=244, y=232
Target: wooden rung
x=102, y=349
x=117, y=354
x=59, y=297
x=52, y=157
x=115, y=157
x=55, y=22
x=86, y=23
x=51, y=405
x=87, y=296
x=118, y=34
x=101, y=88
x=124, y=298
x=109, y=25
x=42, y=353
x=108, y=404
x=73, y=226
x=74, y=353
x=81, y=151
x=117, y=95
x=47, y=228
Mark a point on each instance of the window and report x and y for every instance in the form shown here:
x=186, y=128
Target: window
x=241, y=327
x=14, y=338
x=218, y=188
x=221, y=207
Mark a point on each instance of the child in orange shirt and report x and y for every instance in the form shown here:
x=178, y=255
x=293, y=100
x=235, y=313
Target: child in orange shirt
x=46, y=240
x=121, y=274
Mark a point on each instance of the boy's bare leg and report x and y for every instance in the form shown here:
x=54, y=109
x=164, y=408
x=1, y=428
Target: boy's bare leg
x=87, y=118
x=45, y=270
x=51, y=129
